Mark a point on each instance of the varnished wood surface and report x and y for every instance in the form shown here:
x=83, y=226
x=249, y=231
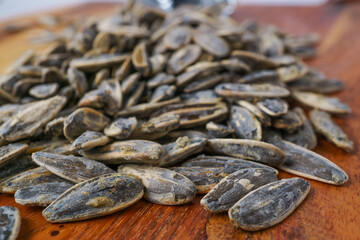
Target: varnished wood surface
x=329, y=212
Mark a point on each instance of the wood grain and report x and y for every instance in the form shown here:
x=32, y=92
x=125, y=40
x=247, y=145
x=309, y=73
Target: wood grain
x=329, y=212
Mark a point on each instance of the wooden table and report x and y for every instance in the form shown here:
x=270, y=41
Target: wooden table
x=329, y=212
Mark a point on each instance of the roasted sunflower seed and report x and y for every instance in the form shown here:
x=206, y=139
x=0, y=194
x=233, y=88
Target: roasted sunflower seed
x=10, y=221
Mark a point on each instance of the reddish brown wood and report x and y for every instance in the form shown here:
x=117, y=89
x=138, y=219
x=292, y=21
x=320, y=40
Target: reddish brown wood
x=329, y=212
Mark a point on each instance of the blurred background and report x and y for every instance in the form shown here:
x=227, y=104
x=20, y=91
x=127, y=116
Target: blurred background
x=15, y=8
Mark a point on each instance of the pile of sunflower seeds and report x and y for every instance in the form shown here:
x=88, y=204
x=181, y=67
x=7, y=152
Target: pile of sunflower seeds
x=164, y=106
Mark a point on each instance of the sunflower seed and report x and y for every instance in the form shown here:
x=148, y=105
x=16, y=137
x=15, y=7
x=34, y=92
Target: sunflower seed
x=42, y=91
x=95, y=197
x=183, y=58
x=121, y=128
x=21, y=164
x=10, y=152
x=260, y=76
x=248, y=149
x=162, y=186
x=273, y=107
x=177, y=37
x=245, y=123
x=216, y=130
x=260, y=115
x=269, y=204
x=89, y=140
x=250, y=90
x=235, y=186
x=131, y=151
x=321, y=102
x=229, y=164
x=324, y=125
x=204, y=178
x=10, y=221
x=211, y=43
x=42, y=194
x=28, y=178
x=75, y=169
x=82, y=120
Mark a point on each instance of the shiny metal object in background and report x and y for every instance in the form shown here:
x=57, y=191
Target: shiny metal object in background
x=169, y=5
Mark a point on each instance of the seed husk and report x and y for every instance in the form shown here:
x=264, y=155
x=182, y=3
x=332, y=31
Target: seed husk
x=229, y=164
x=260, y=76
x=253, y=60
x=245, y=124
x=10, y=152
x=10, y=222
x=121, y=128
x=95, y=197
x=291, y=72
x=237, y=90
x=183, y=147
x=160, y=79
x=269, y=204
x=183, y=58
x=255, y=110
x=324, y=125
x=42, y=194
x=289, y=121
x=82, y=120
x=55, y=127
x=78, y=81
x=248, y=149
x=75, y=169
x=25, y=123
x=89, y=140
x=321, y=102
x=273, y=106
x=235, y=186
x=162, y=186
x=163, y=92
x=211, y=43
x=216, y=130
x=204, y=178
x=306, y=163
x=28, y=178
x=93, y=64
x=131, y=151
x=304, y=135
x=21, y=164
x=177, y=37
x=43, y=91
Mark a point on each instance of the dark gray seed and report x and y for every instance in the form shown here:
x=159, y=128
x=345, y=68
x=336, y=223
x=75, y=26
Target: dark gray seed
x=321, y=102
x=245, y=123
x=204, y=178
x=22, y=86
x=42, y=194
x=183, y=58
x=10, y=152
x=303, y=136
x=98, y=62
x=177, y=37
x=316, y=84
x=260, y=115
x=289, y=121
x=324, y=125
x=75, y=169
x=273, y=107
x=135, y=96
x=28, y=178
x=160, y=79
x=204, y=83
x=84, y=119
x=253, y=60
x=216, y=130
x=260, y=76
x=10, y=222
x=211, y=43
x=42, y=91
x=229, y=164
x=250, y=90
x=235, y=186
x=15, y=167
x=78, y=81
x=131, y=151
x=163, y=92
x=130, y=83
x=89, y=140
x=162, y=186
x=186, y=77
x=201, y=96
x=156, y=127
x=235, y=65
x=121, y=128
x=179, y=150
x=26, y=122
x=145, y=109
x=94, y=198
x=306, y=163
x=269, y=204
x=292, y=72
x=55, y=127
x=140, y=59
x=248, y=149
